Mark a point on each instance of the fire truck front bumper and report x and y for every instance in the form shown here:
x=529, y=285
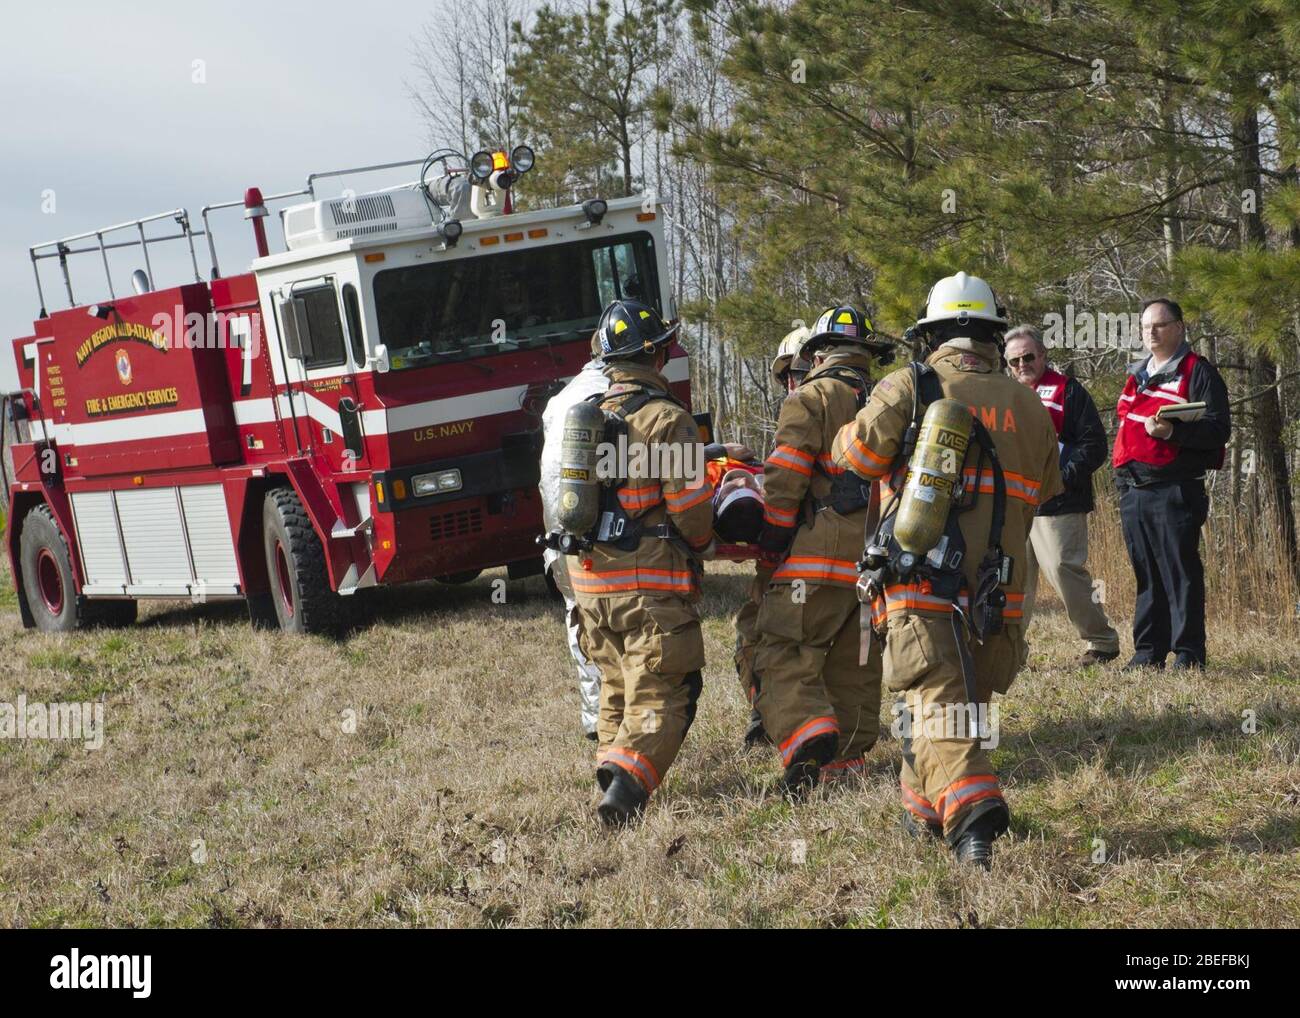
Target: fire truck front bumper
x=458, y=514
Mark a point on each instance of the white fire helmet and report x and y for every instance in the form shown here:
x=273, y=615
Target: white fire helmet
x=787, y=352
x=961, y=298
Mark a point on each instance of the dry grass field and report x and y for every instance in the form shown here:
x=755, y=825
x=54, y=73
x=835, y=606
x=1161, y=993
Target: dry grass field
x=229, y=792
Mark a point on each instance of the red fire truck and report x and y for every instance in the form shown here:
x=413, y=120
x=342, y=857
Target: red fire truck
x=362, y=408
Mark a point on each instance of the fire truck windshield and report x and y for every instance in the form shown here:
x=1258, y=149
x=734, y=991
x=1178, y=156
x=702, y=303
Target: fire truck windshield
x=480, y=305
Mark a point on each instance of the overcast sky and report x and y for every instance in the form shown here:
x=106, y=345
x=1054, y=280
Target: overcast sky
x=99, y=105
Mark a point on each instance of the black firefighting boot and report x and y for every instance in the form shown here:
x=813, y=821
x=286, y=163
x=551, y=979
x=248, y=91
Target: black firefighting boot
x=624, y=797
x=755, y=733
x=972, y=841
x=805, y=770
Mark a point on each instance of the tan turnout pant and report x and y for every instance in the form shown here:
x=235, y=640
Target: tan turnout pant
x=809, y=679
x=650, y=652
x=1058, y=547
x=946, y=768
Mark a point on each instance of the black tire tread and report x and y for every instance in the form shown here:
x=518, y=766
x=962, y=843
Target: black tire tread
x=316, y=604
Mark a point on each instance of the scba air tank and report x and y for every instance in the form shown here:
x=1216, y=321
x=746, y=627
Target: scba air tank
x=578, y=494
x=933, y=474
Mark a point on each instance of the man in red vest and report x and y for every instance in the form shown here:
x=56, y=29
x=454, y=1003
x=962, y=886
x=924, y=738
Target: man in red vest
x=1160, y=467
x=1058, y=542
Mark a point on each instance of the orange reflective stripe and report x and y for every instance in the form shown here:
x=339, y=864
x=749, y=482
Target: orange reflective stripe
x=827, y=463
x=616, y=580
x=1015, y=608
x=839, y=768
x=779, y=517
x=787, y=457
x=634, y=499
x=864, y=460
x=916, y=804
x=636, y=764
x=1018, y=486
x=688, y=498
x=967, y=790
x=909, y=596
x=811, y=567
x=809, y=730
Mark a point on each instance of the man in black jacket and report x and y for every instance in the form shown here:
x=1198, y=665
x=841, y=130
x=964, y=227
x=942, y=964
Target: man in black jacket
x=1058, y=542
x=1160, y=460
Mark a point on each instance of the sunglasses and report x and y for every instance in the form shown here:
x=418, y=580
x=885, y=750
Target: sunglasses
x=1028, y=358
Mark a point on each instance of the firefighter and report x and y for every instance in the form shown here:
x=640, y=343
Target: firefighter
x=818, y=705
x=945, y=676
x=788, y=370
x=591, y=379
x=638, y=585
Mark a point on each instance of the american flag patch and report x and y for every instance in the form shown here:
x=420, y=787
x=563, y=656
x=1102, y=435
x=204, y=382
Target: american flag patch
x=848, y=330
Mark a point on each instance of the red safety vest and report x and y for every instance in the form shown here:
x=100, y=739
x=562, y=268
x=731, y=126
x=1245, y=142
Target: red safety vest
x=1132, y=441
x=1051, y=390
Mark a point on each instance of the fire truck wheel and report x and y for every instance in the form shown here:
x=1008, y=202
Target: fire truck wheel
x=48, y=586
x=456, y=578
x=295, y=562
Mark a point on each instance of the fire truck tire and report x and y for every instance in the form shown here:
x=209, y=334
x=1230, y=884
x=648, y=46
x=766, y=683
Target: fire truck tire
x=458, y=578
x=48, y=584
x=295, y=563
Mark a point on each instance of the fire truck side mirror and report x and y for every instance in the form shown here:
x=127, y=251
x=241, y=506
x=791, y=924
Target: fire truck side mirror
x=379, y=359
x=294, y=324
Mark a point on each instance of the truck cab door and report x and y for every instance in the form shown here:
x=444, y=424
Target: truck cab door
x=324, y=408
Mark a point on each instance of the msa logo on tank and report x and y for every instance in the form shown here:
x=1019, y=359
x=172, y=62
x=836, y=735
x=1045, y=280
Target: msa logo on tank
x=124, y=367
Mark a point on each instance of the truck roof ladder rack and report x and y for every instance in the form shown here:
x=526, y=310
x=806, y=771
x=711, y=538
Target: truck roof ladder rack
x=61, y=250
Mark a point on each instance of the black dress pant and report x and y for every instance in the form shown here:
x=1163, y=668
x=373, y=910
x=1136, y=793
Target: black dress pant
x=1162, y=530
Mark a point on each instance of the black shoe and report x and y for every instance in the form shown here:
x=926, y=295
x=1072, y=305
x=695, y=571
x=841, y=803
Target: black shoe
x=1135, y=663
x=1097, y=657
x=755, y=733
x=1185, y=663
x=919, y=829
x=624, y=797
x=805, y=770
x=972, y=841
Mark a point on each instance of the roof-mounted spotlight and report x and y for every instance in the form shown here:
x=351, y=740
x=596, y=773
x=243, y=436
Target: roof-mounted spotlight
x=100, y=311
x=481, y=166
x=594, y=209
x=522, y=158
x=450, y=230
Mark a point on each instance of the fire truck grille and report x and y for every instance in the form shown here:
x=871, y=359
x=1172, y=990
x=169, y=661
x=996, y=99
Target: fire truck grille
x=462, y=523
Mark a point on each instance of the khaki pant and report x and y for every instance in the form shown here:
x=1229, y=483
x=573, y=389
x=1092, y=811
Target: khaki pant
x=650, y=651
x=747, y=632
x=946, y=770
x=808, y=676
x=1058, y=545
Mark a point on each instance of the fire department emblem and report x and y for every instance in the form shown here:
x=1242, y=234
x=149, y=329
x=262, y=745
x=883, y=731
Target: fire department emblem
x=124, y=367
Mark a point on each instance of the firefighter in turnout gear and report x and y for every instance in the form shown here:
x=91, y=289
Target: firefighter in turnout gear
x=788, y=370
x=818, y=705
x=638, y=581
x=952, y=622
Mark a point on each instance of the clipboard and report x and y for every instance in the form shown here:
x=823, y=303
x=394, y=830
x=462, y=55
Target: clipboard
x=1181, y=412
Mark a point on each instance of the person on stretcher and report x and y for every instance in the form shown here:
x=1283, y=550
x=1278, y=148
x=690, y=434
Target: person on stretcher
x=737, y=477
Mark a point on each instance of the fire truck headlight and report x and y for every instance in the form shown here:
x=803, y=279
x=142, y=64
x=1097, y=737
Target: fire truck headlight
x=522, y=158
x=480, y=167
x=438, y=483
